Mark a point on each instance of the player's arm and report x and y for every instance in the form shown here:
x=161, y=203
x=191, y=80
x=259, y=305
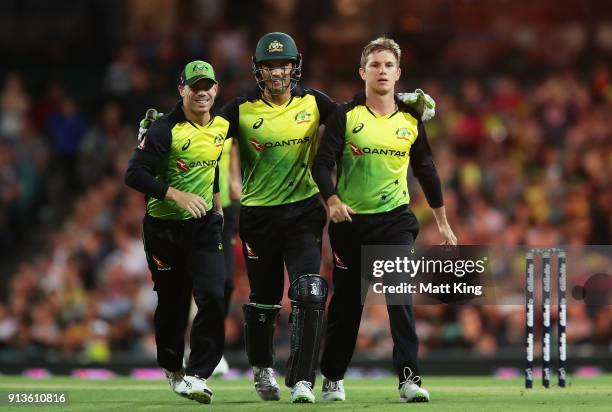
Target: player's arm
x=230, y=113
x=325, y=104
x=143, y=166
x=235, y=175
x=329, y=152
x=424, y=169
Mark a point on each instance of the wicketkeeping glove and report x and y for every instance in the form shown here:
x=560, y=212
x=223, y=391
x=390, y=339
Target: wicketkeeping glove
x=421, y=102
x=150, y=116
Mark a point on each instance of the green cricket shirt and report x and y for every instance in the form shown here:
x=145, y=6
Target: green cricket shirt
x=277, y=144
x=180, y=154
x=372, y=154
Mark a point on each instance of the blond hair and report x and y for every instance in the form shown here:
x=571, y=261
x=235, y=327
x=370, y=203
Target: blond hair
x=381, y=43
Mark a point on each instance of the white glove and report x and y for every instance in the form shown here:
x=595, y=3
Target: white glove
x=421, y=102
x=145, y=123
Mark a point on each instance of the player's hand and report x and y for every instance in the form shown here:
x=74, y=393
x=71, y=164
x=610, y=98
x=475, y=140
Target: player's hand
x=421, y=102
x=338, y=211
x=448, y=235
x=190, y=202
x=150, y=116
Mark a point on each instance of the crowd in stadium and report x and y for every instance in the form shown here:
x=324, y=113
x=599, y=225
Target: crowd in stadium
x=524, y=160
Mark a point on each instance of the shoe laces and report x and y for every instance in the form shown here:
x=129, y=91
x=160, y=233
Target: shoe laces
x=333, y=386
x=306, y=383
x=409, y=377
x=266, y=376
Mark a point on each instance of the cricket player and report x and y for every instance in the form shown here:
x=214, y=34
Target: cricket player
x=230, y=186
x=176, y=167
x=281, y=217
x=372, y=140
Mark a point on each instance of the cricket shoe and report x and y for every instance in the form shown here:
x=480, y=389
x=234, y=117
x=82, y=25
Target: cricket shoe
x=265, y=384
x=193, y=387
x=333, y=390
x=174, y=378
x=302, y=393
x=410, y=391
x=222, y=368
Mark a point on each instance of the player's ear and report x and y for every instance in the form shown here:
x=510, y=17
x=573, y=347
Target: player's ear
x=362, y=73
x=183, y=90
x=399, y=73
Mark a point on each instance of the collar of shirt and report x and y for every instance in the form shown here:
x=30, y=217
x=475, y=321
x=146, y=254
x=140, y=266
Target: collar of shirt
x=256, y=93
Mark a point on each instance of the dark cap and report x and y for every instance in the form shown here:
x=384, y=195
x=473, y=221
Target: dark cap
x=276, y=46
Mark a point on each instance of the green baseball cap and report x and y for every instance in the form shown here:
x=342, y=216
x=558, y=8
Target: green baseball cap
x=276, y=46
x=197, y=70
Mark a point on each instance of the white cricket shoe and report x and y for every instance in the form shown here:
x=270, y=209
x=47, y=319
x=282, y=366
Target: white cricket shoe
x=265, y=384
x=333, y=390
x=410, y=391
x=222, y=367
x=302, y=393
x=195, y=388
x=174, y=378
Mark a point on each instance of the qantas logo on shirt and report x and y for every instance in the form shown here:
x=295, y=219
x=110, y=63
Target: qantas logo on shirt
x=185, y=167
x=181, y=165
x=357, y=151
x=260, y=147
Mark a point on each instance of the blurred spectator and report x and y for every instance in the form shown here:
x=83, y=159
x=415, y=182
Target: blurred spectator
x=66, y=129
x=14, y=106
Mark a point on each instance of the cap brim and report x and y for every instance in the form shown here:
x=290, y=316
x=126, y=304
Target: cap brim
x=276, y=57
x=196, y=79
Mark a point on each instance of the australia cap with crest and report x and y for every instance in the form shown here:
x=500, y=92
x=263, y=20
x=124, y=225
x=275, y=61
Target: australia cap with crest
x=197, y=70
x=276, y=46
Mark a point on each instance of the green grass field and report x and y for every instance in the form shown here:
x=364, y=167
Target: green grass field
x=447, y=394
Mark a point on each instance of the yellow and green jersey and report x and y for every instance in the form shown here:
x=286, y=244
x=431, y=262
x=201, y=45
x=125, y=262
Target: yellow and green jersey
x=178, y=153
x=372, y=154
x=277, y=145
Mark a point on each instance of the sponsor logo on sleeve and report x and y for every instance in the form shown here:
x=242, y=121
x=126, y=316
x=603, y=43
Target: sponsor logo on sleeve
x=160, y=264
x=338, y=261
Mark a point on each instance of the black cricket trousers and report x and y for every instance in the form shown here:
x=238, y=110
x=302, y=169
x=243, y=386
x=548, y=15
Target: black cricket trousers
x=186, y=259
x=275, y=236
x=396, y=227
